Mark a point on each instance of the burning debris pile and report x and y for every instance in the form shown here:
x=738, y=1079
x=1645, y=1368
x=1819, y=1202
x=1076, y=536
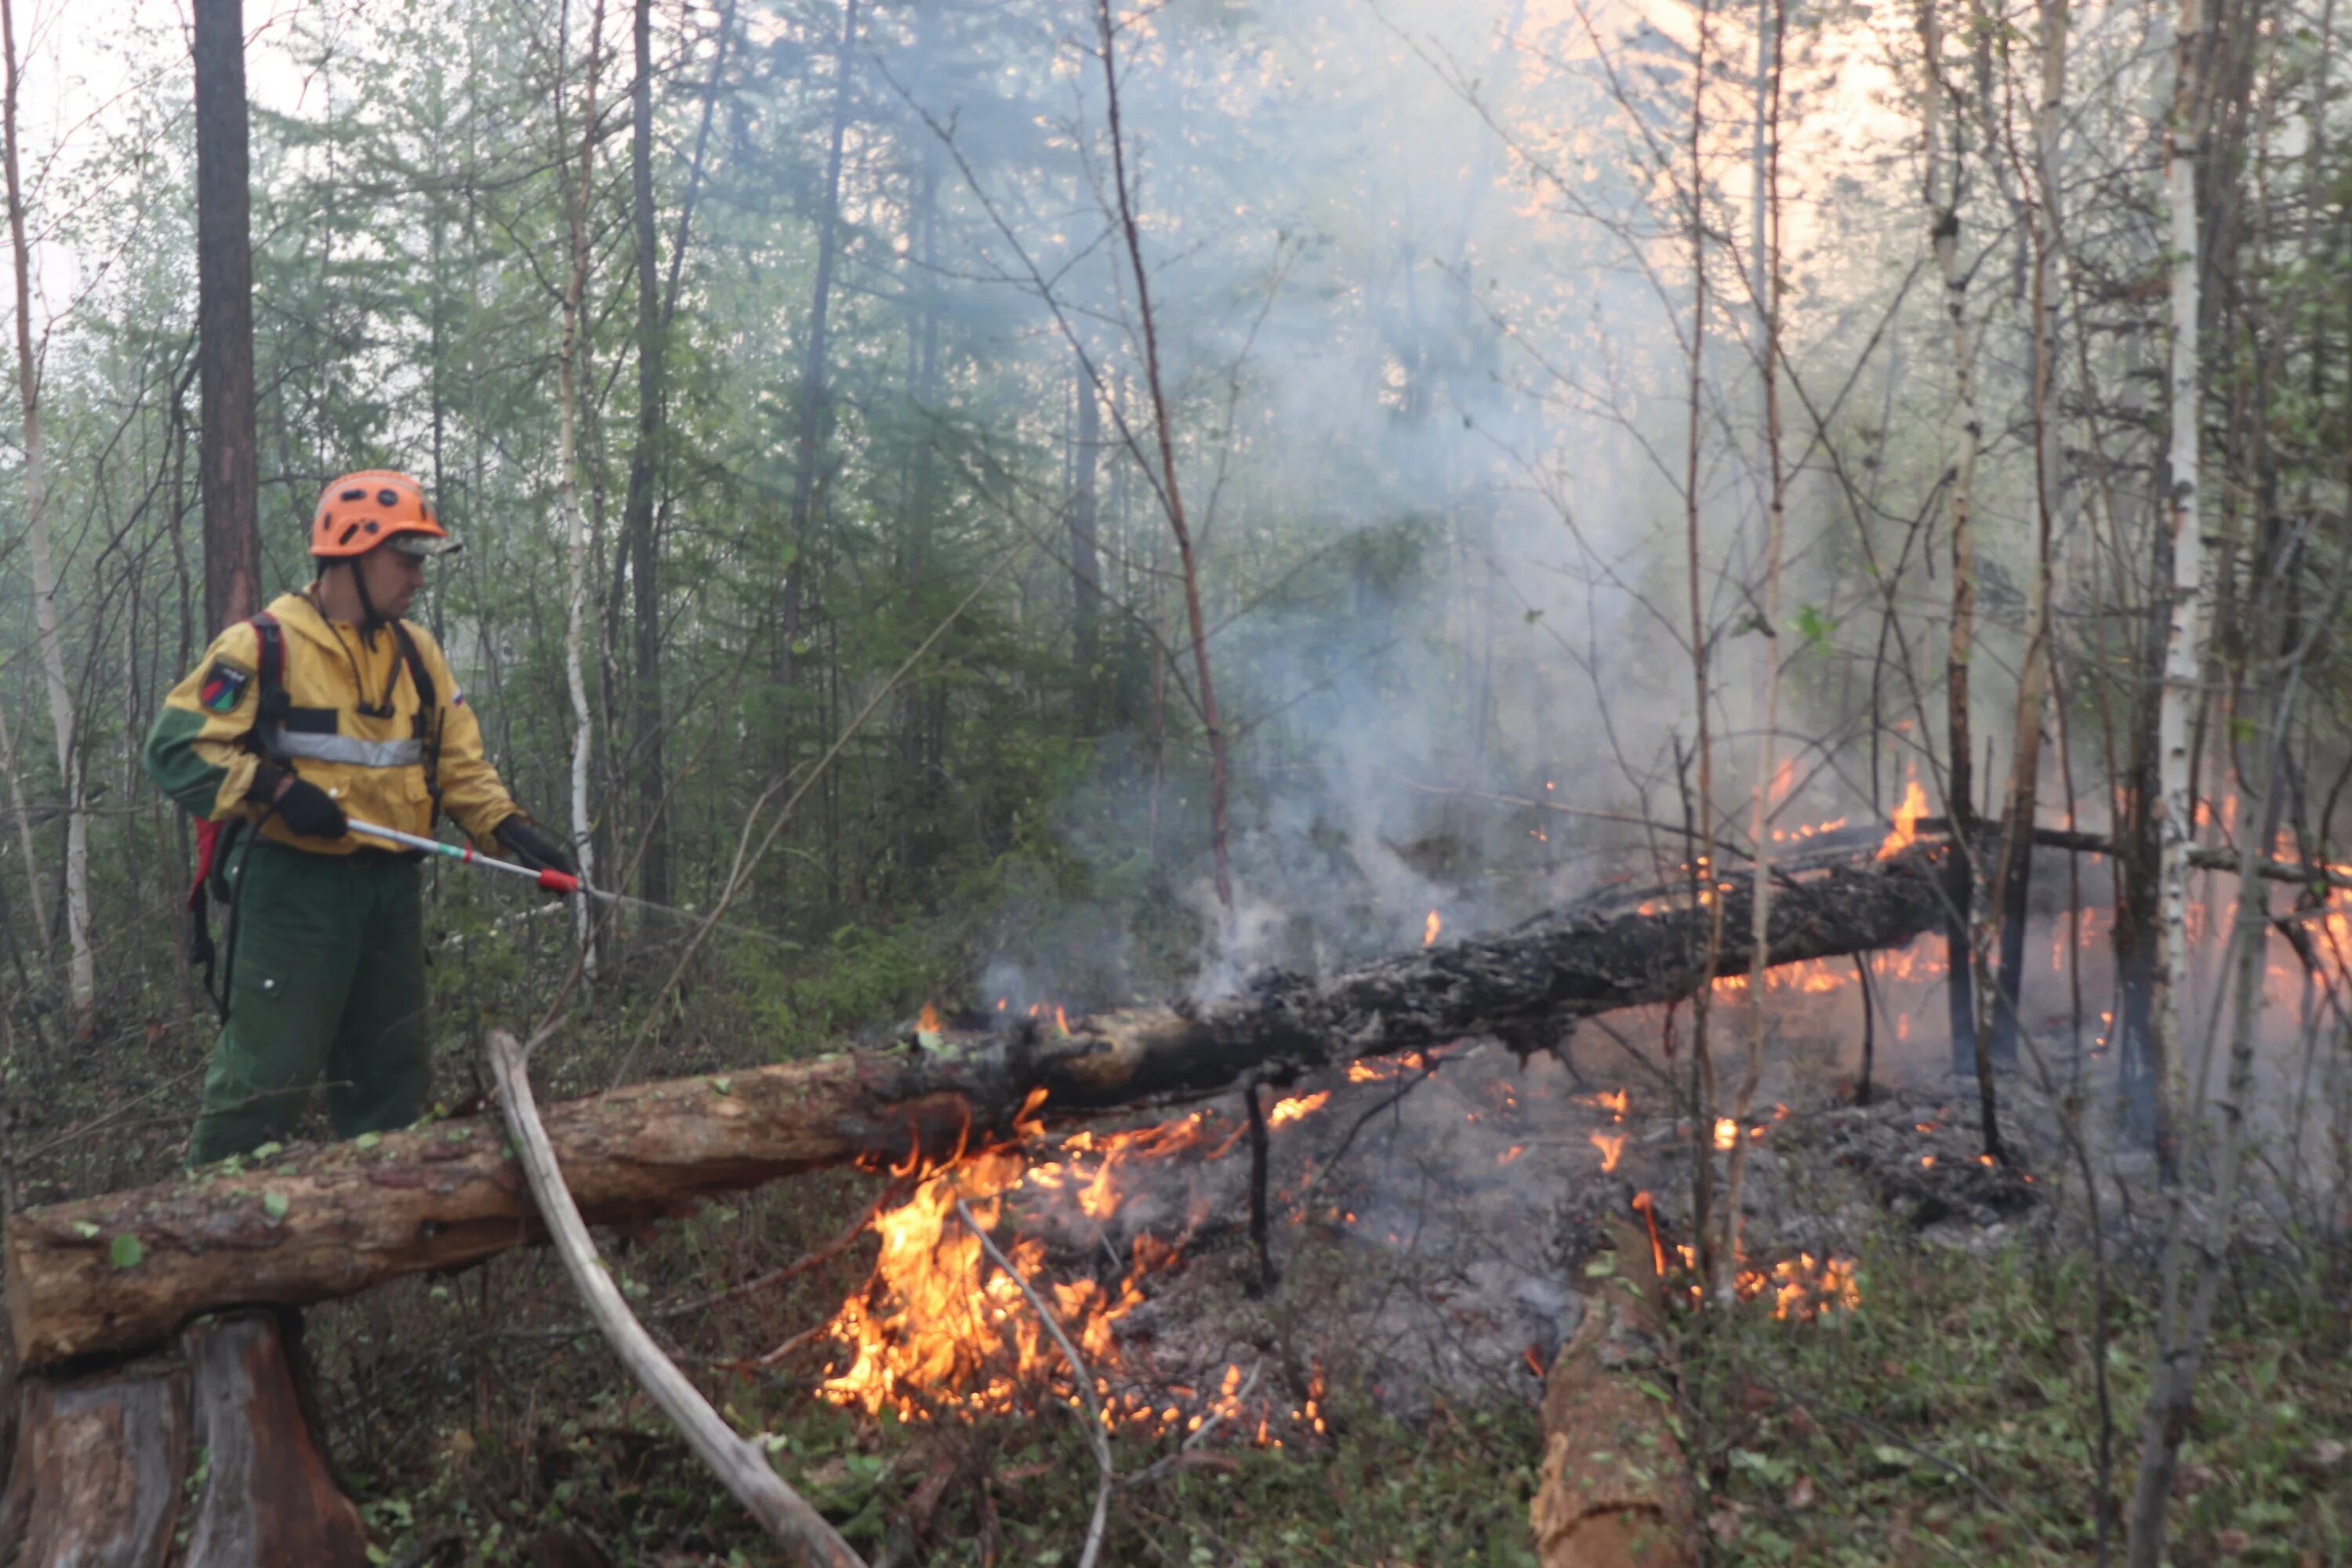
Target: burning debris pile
x=1430, y=1213
x=1416, y=1180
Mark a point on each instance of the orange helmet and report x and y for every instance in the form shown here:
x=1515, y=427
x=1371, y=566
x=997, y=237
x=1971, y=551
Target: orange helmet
x=372, y=507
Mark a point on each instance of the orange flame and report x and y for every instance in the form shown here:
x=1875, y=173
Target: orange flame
x=1646, y=1206
x=1611, y=1146
x=1510, y=1155
x=1726, y=1133
x=1429, y=931
x=1906, y=821
x=1287, y=1111
x=1802, y=1287
x=941, y=1331
x=929, y=1020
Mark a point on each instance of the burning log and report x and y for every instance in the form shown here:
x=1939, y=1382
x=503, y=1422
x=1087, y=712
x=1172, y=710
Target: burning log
x=122, y=1271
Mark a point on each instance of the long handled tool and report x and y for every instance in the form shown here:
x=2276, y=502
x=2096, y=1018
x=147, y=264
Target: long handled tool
x=554, y=880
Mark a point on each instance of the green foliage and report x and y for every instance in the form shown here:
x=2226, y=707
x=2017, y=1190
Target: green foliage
x=1956, y=1413
x=859, y=977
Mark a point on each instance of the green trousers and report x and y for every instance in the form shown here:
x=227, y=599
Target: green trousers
x=329, y=983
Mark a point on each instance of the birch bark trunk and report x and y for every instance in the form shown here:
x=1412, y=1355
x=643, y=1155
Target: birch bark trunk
x=1944, y=240
x=2182, y=1327
x=2183, y=639
x=83, y=973
x=567, y=486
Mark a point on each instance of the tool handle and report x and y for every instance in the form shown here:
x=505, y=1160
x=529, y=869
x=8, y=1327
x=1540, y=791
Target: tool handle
x=556, y=882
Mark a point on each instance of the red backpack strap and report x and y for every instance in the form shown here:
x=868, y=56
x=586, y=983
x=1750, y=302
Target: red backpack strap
x=207, y=842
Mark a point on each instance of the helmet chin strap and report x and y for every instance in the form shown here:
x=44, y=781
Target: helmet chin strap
x=369, y=617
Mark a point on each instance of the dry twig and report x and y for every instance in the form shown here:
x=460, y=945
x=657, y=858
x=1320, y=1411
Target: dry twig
x=1078, y=1373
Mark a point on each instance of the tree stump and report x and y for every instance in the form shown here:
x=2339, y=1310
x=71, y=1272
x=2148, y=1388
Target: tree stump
x=103, y=1461
x=98, y=1470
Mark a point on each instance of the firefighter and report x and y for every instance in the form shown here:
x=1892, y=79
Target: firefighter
x=328, y=706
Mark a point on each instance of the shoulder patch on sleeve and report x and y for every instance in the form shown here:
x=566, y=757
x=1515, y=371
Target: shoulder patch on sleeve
x=223, y=687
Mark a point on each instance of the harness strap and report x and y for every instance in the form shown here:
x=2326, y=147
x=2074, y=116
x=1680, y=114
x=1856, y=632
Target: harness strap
x=428, y=711
x=271, y=738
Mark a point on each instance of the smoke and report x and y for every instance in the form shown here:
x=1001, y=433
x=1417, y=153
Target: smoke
x=1423, y=364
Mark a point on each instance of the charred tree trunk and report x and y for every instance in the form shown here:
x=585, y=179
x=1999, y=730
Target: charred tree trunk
x=339, y=1219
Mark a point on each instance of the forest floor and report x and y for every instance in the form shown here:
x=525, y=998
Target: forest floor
x=1950, y=1412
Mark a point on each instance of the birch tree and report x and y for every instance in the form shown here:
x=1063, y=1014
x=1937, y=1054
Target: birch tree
x=1943, y=202
x=567, y=482
x=2183, y=639
x=83, y=973
x=2163, y=1419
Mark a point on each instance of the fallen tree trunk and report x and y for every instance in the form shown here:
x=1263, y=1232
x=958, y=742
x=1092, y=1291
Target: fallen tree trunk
x=121, y=1271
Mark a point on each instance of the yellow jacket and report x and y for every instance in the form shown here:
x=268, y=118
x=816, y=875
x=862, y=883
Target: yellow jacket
x=202, y=751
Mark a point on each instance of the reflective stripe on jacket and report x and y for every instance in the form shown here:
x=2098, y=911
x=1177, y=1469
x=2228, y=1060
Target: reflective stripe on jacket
x=201, y=751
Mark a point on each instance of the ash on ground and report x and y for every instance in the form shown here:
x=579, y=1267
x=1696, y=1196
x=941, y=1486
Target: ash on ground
x=1428, y=1219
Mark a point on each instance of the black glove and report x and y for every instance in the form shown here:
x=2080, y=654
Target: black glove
x=304, y=806
x=532, y=849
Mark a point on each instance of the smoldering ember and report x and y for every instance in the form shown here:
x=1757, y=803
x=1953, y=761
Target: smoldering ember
x=1359, y=783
